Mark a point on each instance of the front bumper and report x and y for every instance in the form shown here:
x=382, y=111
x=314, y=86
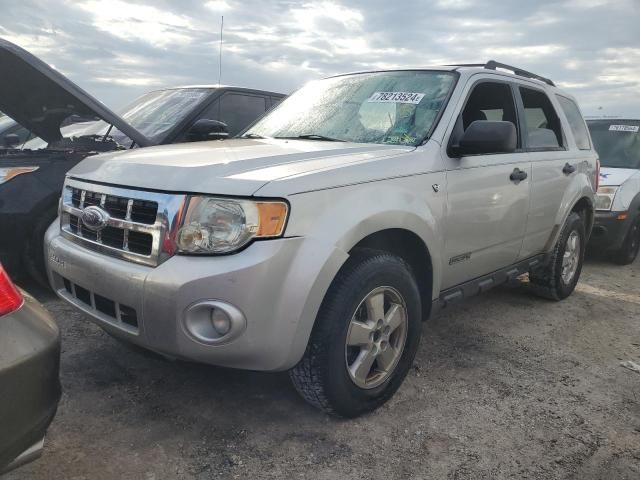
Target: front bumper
x=609, y=231
x=277, y=285
x=29, y=381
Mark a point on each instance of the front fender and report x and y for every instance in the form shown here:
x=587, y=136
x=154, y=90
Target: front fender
x=334, y=221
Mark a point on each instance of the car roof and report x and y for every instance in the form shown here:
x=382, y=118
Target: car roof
x=491, y=67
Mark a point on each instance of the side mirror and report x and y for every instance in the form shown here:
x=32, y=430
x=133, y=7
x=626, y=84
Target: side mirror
x=10, y=140
x=205, y=129
x=487, y=136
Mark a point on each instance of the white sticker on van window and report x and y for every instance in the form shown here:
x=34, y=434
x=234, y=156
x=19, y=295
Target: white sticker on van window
x=396, y=97
x=624, y=128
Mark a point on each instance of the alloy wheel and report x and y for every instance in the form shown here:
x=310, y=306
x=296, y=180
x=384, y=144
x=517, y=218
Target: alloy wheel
x=571, y=258
x=376, y=337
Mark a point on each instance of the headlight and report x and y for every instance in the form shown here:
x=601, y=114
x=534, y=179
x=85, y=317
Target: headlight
x=220, y=225
x=604, y=197
x=7, y=173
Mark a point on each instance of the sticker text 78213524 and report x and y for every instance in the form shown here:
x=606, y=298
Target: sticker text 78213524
x=396, y=97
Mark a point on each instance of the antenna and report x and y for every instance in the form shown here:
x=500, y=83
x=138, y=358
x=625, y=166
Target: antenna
x=220, y=60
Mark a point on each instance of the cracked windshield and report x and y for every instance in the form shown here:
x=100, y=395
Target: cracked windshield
x=396, y=108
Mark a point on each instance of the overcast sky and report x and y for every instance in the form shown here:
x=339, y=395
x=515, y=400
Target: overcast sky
x=117, y=50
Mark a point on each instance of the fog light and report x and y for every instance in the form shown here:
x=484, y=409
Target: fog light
x=213, y=322
x=221, y=321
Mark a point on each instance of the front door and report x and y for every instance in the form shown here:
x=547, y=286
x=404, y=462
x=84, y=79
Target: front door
x=486, y=208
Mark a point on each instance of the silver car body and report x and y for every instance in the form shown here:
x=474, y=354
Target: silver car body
x=468, y=214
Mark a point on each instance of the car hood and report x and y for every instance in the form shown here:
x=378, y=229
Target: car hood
x=612, y=177
x=229, y=167
x=40, y=98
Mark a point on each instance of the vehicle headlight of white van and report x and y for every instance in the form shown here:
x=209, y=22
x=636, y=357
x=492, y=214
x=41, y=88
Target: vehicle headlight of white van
x=215, y=225
x=604, y=197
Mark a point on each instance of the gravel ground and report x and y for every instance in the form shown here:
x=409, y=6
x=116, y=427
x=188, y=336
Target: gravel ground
x=504, y=386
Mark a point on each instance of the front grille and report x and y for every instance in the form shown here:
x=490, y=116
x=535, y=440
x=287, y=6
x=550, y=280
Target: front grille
x=135, y=226
x=142, y=211
x=118, y=314
x=136, y=242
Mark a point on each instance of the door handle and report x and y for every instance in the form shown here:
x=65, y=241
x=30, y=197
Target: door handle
x=568, y=169
x=518, y=175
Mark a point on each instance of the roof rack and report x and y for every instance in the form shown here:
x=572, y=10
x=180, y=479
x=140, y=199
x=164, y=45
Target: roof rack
x=493, y=65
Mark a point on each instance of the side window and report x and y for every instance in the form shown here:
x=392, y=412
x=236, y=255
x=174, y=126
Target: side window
x=543, y=131
x=490, y=101
x=212, y=112
x=576, y=122
x=238, y=111
x=487, y=101
x=275, y=101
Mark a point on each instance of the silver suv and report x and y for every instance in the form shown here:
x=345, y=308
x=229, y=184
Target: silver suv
x=319, y=240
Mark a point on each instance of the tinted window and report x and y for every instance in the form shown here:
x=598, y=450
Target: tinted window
x=487, y=101
x=212, y=112
x=490, y=101
x=617, y=142
x=543, y=129
x=576, y=122
x=239, y=111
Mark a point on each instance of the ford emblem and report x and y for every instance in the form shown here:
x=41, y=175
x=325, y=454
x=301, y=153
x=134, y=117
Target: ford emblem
x=94, y=218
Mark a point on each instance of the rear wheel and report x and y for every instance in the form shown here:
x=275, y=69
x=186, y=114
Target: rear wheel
x=631, y=245
x=365, y=337
x=559, y=277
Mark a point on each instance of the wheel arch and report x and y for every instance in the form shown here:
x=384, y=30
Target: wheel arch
x=578, y=197
x=585, y=208
x=412, y=249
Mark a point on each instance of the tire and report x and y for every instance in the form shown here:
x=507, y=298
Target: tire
x=33, y=256
x=323, y=377
x=548, y=281
x=631, y=245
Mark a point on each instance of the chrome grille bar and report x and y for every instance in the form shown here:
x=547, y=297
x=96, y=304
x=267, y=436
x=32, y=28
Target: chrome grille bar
x=117, y=237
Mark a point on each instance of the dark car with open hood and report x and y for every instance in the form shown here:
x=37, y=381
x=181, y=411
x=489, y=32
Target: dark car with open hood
x=50, y=124
x=29, y=375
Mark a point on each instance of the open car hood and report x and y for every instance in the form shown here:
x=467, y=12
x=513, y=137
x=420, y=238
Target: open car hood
x=40, y=99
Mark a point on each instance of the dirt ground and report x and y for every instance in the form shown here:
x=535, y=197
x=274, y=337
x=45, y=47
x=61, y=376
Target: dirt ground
x=504, y=386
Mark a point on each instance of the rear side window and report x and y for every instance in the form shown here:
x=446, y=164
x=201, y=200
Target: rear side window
x=239, y=111
x=543, y=131
x=576, y=122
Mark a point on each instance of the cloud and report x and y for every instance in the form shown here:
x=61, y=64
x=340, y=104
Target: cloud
x=118, y=50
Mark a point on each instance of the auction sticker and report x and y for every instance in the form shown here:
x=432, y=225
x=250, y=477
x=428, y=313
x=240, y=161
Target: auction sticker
x=624, y=128
x=396, y=97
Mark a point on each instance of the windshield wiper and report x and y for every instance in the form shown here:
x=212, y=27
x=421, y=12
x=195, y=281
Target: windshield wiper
x=252, y=135
x=312, y=136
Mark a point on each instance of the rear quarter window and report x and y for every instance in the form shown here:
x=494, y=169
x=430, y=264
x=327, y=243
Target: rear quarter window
x=576, y=122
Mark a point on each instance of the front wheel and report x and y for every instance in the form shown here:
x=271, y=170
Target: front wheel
x=365, y=338
x=559, y=277
x=631, y=245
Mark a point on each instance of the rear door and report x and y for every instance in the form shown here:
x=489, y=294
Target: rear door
x=486, y=210
x=553, y=161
